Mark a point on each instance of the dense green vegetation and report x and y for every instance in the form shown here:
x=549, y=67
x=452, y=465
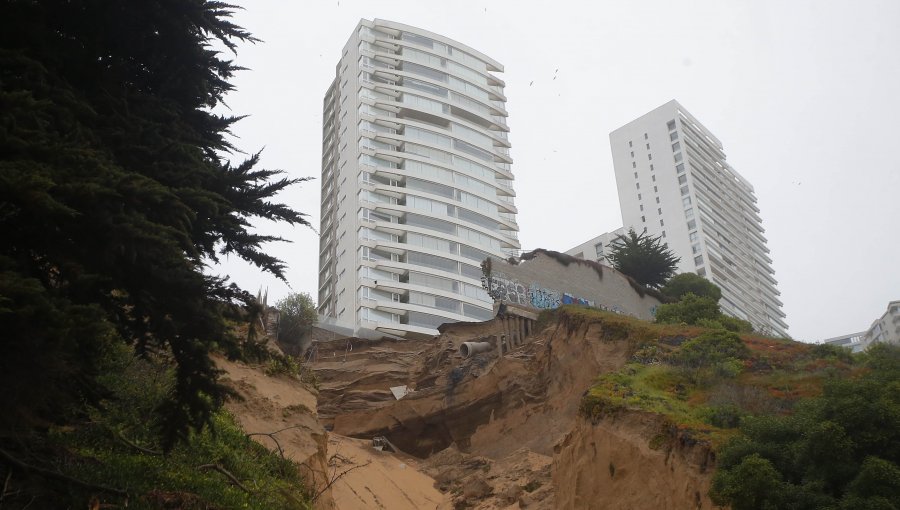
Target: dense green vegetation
x=297, y=314
x=116, y=193
x=694, y=300
x=690, y=283
x=794, y=425
x=840, y=450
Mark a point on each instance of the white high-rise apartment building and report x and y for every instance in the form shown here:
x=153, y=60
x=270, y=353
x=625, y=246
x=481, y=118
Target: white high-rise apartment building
x=674, y=182
x=416, y=182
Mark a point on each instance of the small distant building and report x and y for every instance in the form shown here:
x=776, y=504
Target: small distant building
x=597, y=248
x=885, y=329
x=853, y=341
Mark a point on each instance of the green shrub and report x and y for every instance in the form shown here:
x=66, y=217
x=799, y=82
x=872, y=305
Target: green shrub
x=725, y=416
x=690, y=283
x=710, y=348
x=689, y=310
x=735, y=324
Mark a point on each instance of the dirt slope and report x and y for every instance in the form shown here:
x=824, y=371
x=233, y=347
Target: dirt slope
x=627, y=462
x=280, y=413
x=368, y=478
x=486, y=432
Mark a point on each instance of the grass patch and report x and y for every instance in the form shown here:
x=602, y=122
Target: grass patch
x=703, y=381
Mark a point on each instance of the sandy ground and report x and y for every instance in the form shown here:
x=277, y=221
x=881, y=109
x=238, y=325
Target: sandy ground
x=374, y=479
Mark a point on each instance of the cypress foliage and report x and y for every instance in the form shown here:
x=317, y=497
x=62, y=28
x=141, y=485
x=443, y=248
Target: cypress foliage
x=115, y=194
x=644, y=258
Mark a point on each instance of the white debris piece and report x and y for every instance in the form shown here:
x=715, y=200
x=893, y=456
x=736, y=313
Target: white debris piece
x=400, y=391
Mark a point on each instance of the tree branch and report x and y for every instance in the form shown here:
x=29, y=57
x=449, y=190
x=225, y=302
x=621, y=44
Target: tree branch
x=58, y=476
x=220, y=469
x=121, y=437
x=337, y=477
x=273, y=438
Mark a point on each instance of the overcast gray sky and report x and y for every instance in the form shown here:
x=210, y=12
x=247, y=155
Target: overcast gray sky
x=804, y=95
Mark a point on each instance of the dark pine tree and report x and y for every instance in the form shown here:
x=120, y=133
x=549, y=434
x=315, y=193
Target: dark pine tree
x=644, y=258
x=115, y=194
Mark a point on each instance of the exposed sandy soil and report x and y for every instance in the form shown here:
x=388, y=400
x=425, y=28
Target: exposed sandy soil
x=613, y=465
x=487, y=432
x=368, y=478
x=280, y=414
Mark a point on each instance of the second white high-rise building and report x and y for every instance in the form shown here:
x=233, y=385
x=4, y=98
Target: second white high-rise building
x=416, y=182
x=674, y=182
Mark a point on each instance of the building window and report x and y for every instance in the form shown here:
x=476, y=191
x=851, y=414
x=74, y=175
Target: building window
x=693, y=236
x=662, y=223
x=633, y=164
x=686, y=201
x=682, y=179
x=649, y=156
x=648, y=146
x=673, y=136
x=643, y=219
x=639, y=196
x=632, y=154
x=659, y=211
x=701, y=271
x=657, y=200
x=679, y=167
x=689, y=213
x=664, y=234
x=645, y=230
x=637, y=185
x=645, y=136
x=655, y=190
x=692, y=225
x=598, y=248
x=642, y=207
x=698, y=260
x=695, y=249
x=653, y=178
x=685, y=190
x=651, y=167
x=678, y=157
x=671, y=125
x=676, y=146
x=635, y=175
x=629, y=143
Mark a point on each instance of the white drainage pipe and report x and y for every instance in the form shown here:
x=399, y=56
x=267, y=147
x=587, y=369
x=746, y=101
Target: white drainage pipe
x=468, y=349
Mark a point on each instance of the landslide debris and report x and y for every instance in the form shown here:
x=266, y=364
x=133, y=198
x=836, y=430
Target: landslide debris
x=537, y=428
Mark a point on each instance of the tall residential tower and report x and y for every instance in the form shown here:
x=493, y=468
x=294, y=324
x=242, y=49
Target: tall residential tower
x=416, y=182
x=674, y=182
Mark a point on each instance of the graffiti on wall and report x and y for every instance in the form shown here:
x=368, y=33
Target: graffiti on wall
x=542, y=298
x=508, y=290
x=511, y=291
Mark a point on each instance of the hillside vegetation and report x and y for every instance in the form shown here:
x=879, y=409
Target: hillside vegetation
x=794, y=425
x=113, y=455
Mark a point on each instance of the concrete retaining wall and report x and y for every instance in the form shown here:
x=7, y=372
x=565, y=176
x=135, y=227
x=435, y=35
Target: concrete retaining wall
x=544, y=281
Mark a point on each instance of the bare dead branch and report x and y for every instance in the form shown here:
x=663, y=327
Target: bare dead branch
x=273, y=438
x=220, y=469
x=337, y=477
